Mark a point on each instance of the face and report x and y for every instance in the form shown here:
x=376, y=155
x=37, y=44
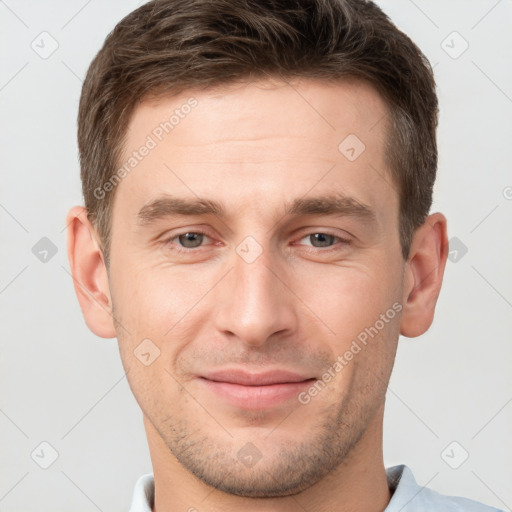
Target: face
x=258, y=235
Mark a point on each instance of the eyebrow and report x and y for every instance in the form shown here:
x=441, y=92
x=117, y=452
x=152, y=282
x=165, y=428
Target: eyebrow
x=330, y=204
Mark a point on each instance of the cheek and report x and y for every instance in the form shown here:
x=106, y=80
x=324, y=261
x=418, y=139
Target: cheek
x=361, y=307
x=347, y=299
x=162, y=311
x=151, y=312
x=152, y=301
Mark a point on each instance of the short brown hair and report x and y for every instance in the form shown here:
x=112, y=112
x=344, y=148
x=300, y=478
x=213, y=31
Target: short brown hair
x=168, y=46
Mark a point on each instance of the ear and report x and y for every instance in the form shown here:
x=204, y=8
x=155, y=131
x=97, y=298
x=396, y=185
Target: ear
x=424, y=272
x=89, y=273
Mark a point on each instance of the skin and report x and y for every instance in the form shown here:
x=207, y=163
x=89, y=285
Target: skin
x=298, y=306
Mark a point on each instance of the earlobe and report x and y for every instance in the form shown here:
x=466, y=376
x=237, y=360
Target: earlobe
x=89, y=273
x=424, y=275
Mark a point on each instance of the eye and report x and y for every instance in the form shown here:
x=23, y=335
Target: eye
x=187, y=241
x=321, y=239
x=190, y=240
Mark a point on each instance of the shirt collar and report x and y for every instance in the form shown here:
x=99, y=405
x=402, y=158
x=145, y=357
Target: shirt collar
x=401, y=483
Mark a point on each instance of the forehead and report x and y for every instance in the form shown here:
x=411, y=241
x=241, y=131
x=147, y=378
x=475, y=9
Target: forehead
x=310, y=109
x=260, y=140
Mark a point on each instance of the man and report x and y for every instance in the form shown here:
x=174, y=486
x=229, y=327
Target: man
x=256, y=233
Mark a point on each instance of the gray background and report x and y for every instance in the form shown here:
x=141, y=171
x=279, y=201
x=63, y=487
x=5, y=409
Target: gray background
x=62, y=385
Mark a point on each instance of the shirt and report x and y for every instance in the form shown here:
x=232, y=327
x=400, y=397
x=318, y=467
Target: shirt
x=407, y=495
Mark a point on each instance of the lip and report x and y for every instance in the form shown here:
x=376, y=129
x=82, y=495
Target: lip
x=235, y=376
x=256, y=391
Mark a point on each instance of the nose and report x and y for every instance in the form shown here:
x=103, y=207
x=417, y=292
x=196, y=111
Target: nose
x=255, y=302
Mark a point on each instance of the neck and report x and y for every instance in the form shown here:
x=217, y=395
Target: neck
x=358, y=484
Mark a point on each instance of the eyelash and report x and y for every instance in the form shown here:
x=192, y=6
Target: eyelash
x=177, y=248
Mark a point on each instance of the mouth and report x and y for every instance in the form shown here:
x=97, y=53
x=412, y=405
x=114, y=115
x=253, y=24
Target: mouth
x=256, y=391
